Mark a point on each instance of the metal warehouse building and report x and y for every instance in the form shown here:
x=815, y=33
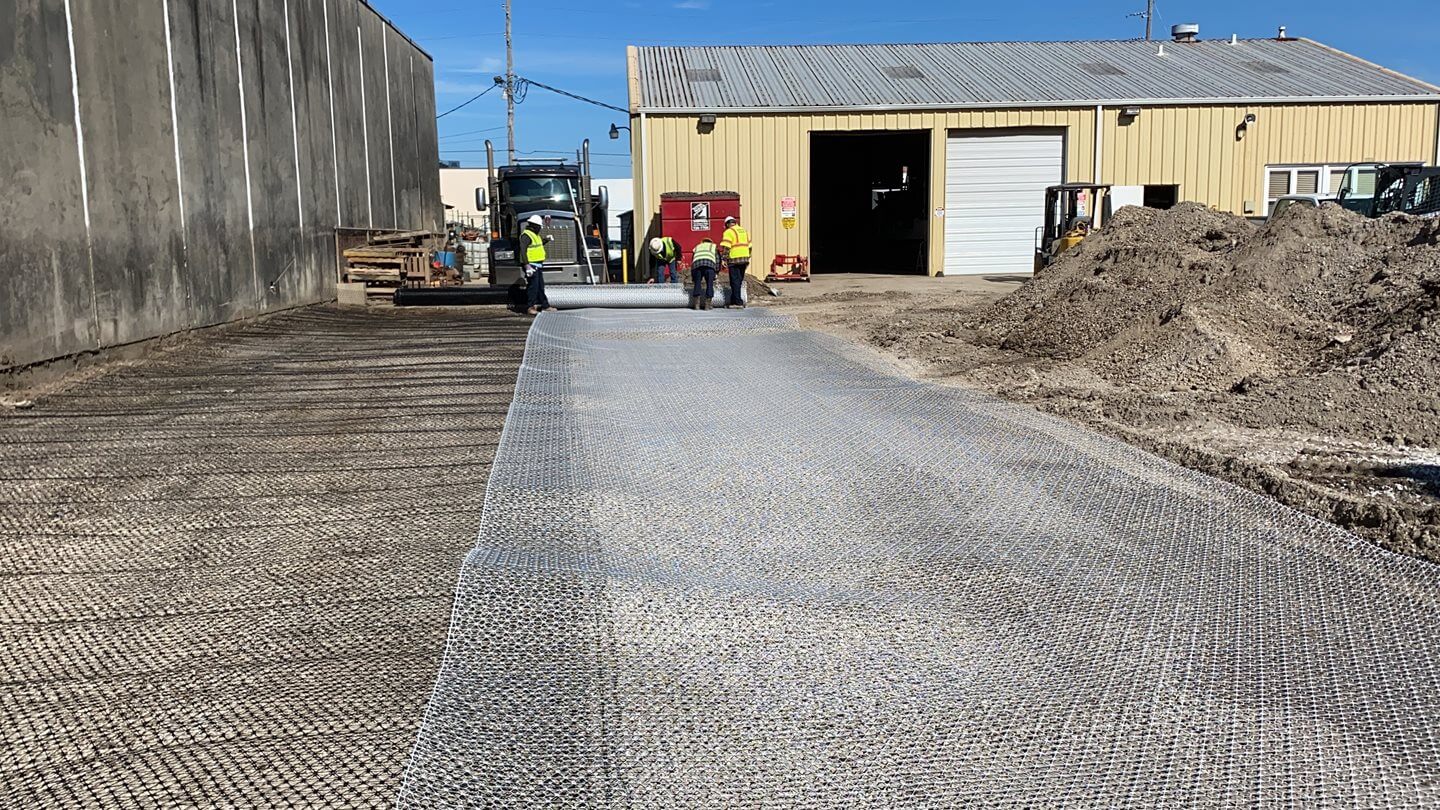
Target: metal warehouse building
x=932, y=158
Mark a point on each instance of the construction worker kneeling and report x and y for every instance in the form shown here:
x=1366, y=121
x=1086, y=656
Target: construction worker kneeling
x=702, y=271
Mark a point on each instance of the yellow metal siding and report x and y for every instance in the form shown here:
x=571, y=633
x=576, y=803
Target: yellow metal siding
x=1197, y=148
x=765, y=157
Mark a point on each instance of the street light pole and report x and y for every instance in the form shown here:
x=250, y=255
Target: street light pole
x=1149, y=17
x=510, y=88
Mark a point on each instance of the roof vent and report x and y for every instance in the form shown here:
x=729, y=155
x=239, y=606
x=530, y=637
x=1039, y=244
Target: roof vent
x=702, y=74
x=1185, y=32
x=902, y=72
x=1281, y=34
x=1101, y=69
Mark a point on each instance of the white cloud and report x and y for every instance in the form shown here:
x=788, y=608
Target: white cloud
x=693, y=5
x=488, y=66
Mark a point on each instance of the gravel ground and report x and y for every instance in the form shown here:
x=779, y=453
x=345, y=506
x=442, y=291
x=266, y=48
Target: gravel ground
x=226, y=571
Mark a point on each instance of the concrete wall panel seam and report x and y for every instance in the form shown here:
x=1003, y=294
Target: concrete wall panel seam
x=365, y=129
x=175, y=125
x=390, y=127
x=330, y=88
x=245, y=149
x=294, y=121
x=84, y=181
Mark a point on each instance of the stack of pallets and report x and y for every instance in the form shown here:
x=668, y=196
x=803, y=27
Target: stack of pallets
x=389, y=260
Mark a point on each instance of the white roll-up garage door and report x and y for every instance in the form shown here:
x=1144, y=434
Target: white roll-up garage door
x=995, y=198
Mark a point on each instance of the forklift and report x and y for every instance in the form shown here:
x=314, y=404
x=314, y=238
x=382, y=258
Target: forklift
x=1072, y=211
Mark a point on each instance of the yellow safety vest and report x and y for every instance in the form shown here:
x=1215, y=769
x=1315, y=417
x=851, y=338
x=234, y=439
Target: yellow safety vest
x=706, y=251
x=669, y=249
x=736, y=240
x=534, y=247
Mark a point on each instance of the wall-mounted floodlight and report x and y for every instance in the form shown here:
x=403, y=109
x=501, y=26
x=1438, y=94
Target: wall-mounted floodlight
x=1244, y=125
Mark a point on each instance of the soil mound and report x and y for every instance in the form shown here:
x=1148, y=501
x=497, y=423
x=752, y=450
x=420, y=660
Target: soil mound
x=1196, y=299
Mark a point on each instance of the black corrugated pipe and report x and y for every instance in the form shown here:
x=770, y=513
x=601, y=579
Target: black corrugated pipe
x=459, y=296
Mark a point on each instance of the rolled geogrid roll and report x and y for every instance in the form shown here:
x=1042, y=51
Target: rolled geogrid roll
x=626, y=296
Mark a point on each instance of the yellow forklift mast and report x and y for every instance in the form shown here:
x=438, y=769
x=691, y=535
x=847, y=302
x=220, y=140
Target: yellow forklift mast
x=1072, y=211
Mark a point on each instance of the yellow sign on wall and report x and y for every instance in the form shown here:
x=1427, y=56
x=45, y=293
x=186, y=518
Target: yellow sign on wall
x=788, y=210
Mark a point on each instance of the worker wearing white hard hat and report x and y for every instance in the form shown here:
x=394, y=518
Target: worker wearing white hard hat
x=532, y=246
x=665, y=252
x=735, y=250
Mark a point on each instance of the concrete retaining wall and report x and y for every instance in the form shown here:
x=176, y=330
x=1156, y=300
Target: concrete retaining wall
x=169, y=164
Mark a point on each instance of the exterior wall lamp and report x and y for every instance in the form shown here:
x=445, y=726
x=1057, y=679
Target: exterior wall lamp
x=1244, y=125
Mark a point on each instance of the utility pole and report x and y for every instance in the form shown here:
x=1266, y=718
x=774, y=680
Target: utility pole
x=1149, y=18
x=510, y=87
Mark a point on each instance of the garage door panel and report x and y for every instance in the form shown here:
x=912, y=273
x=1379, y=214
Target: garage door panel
x=994, y=198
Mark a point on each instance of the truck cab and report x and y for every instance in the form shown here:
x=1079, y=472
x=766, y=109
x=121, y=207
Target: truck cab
x=559, y=193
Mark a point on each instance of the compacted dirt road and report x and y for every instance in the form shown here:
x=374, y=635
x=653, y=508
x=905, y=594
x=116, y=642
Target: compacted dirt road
x=226, y=570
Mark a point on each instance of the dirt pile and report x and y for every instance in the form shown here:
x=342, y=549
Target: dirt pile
x=1319, y=302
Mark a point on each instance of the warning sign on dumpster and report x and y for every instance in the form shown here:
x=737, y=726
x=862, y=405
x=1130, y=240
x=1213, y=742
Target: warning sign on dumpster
x=699, y=216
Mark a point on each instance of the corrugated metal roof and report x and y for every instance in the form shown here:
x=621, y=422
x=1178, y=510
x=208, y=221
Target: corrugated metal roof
x=962, y=74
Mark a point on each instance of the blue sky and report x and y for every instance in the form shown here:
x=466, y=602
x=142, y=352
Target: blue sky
x=581, y=47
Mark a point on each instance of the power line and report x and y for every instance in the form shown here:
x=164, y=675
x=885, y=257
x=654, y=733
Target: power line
x=524, y=83
x=471, y=132
x=472, y=98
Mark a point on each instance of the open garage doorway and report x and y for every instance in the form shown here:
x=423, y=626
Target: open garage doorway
x=870, y=199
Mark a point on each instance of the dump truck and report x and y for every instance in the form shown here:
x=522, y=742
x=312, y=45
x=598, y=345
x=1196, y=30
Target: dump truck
x=558, y=192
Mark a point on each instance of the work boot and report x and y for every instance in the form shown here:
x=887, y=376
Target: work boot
x=707, y=303
x=693, y=303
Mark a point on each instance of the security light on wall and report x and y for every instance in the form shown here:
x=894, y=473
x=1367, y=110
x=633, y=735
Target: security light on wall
x=1130, y=112
x=1244, y=125
x=705, y=124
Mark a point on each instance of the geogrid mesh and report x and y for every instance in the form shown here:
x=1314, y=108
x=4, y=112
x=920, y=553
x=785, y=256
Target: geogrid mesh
x=727, y=563
x=225, y=570
x=632, y=296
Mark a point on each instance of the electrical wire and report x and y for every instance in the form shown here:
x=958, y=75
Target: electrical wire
x=471, y=132
x=522, y=85
x=472, y=98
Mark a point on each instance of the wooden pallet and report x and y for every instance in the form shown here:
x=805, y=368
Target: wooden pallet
x=402, y=258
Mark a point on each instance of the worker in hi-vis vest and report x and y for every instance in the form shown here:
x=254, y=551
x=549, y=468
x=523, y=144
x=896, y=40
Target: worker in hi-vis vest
x=735, y=247
x=532, y=242
x=702, y=271
x=666, y=254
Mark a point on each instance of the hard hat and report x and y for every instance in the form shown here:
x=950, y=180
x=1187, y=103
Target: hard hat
x=536, y=220
x=657, y=244
x=729, y=220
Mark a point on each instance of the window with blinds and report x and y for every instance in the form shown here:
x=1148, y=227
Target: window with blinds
x=1279, y=184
